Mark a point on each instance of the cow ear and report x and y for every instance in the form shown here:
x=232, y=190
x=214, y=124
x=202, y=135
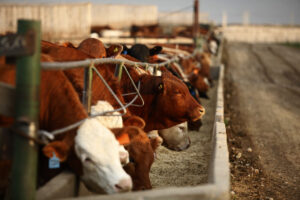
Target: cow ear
x=114, y=50
x=135, y=121
x=59, y=148
x=155, y=50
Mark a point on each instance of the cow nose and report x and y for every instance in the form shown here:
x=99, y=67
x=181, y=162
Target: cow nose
x=202, y=110
x=124, y=157
x=124, y=185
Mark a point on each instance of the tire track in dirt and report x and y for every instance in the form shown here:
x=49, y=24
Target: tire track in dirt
x=284, y=60
x=261, y=62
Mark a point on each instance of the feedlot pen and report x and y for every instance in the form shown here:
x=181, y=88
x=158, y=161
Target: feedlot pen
x=199, y=172
x=189, y=167
x=185, y=168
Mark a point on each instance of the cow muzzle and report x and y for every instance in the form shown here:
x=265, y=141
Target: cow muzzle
x=199, y=112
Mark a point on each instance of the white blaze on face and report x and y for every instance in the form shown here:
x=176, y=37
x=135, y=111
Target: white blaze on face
x=107, y=121
x=98, y=151
x=111, y=122
x=213, y=46
x=176, y=137
x=206, y=82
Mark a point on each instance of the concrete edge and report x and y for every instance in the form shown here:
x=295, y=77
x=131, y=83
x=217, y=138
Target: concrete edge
x=62, y=186
x=219, y=173
x=206, y=191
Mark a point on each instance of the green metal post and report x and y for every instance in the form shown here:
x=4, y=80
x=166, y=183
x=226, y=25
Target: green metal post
x=87, y=88
x=24, y=170
x=118, y=71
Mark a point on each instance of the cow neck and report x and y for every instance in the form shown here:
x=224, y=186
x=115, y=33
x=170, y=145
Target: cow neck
x=100, y=91
x=60, y=105
x=149, y=92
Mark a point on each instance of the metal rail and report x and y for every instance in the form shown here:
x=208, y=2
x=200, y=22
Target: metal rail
x=96, y=61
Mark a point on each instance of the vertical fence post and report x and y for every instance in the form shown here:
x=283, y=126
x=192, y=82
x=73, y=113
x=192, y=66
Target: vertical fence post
x=24, y=169
x=87, y=88
x=196, y=21
x=118, y=71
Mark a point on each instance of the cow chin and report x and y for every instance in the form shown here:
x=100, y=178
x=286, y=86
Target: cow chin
x=176, y=138
x=197, y=114
x=105, y=181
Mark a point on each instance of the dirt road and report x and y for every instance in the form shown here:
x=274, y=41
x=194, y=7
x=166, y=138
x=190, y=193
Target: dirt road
x=262, y=114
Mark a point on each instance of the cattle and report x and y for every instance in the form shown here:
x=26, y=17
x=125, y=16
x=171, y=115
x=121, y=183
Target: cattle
x=99, y=93
x=75, y=76
x=157, y=92
x=180, y=131
x=176, y=138
x=196, y=75
x=55, y=113
x=146, y=31
x=141, y=52
x=138, y=72
x=141, y=149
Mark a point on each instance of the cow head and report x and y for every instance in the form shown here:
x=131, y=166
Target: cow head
x=99, y=154
x=96, y=49
x=170, y=102
x=141, y=151
x=142, y=52
x=98, y=151
x=176, y=138
x=200, y=83
x=93, y=47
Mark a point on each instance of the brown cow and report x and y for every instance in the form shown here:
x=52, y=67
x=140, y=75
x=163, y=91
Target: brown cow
x=158, y=92
x=55, y=113
x=141, y=151
x=100, y=92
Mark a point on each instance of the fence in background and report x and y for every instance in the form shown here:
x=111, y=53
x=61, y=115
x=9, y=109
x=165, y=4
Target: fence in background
x=59, y=21
x=181, y=18
x=265, y=34
x=121, y=16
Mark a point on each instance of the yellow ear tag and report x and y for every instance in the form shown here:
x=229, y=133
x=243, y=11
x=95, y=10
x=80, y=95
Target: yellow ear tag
x=160, y=86
x=116, y=50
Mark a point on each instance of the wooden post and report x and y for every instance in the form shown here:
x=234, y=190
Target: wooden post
x=24, y=169
x=196, y=21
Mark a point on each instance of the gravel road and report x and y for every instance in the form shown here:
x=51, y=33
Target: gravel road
x=263, y=120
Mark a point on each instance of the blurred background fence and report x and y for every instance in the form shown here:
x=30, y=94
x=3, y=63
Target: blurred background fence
x=74, y=21
x=253, y=34
x=121, y=16
x=59, y=21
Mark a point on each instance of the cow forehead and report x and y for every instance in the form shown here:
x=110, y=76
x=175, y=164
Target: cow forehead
x=174, y=84
x=97, y=142
x=107, y=121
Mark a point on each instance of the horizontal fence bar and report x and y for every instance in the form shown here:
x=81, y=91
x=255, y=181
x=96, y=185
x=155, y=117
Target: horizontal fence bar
x=147, y=40
x=112, y=40
x=96, y=61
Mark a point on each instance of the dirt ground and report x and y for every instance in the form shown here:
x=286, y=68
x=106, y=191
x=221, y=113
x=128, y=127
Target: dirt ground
x=262, y=115
x=188, y=167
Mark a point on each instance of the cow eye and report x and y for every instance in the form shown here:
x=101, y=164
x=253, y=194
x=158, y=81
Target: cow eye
x=88, y=160
x=131, y=160
x=177, y=92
